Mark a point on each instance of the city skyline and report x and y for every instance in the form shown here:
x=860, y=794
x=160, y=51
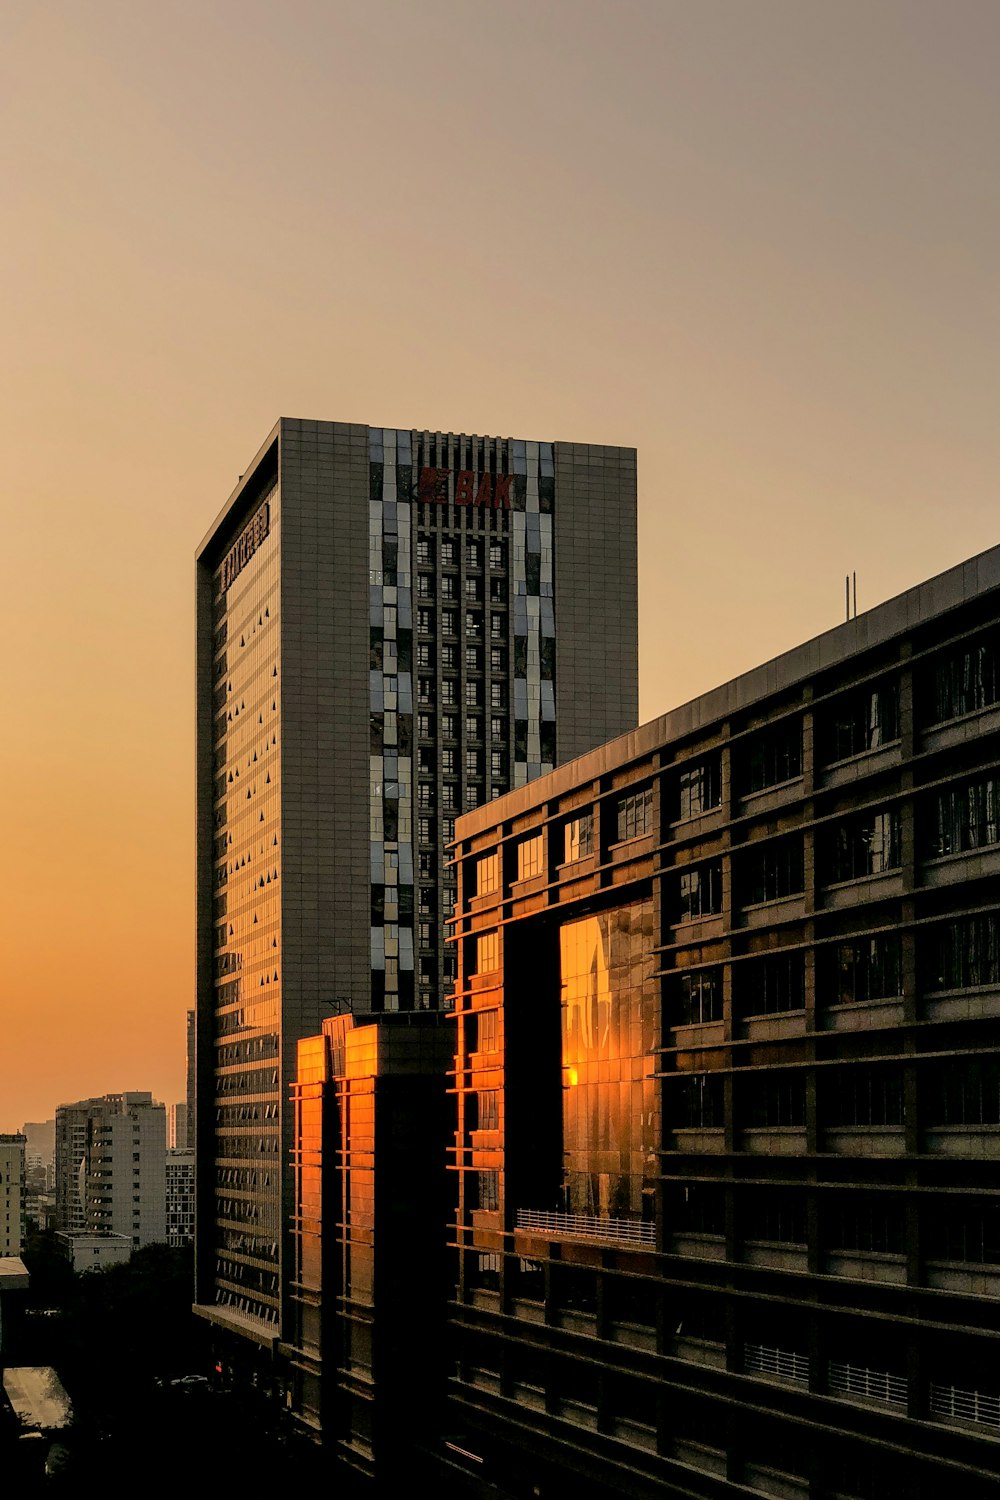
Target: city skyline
x=757, y=247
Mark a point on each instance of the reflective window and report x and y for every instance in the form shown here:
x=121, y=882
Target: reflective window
x=529, y=857
x=578, y=836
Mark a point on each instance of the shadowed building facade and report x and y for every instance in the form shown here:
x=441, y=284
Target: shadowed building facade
x=728, y=1008
x=393, y=626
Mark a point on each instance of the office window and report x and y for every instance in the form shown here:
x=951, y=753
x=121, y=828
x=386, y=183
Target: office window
x=425, y=726
x=489, y=1189
x=498, y=694
x=867, y=969
x=497, y=763
x=424, y=554
x=695, y=1208
x=773, y=871
x=497, y=555
x=864, y=846
x=962, y=818
x=861, y=1095
x=862, y=720
x=448, y=555
x=498, y=627
x=448, y=762
x=425, y=689
x=700, y=788
x=449, y=658
x=529, y=857
x=449, y=797
x=473, y=624
x=472, y=694
x=497, y=659
x=473, y=763
x=771, y=756
x=695, y=998
x=482, y=1031
x=425, y=621
x=862, y=1222
x=700, y=892
x=473, y=553
x=424, y=656
x=695, y=1101
x=449, y=586
x=449, y=726
x=488, y=1109
x=426, y=830
x=425, y=585
x=963, y=1092
x=487, y=953
x=578, y=836
x=964, y=681
x=635, y=814
x=771, y=985
x=963, y=1231
x=773, y=1101
x=449, y=622
x=473, y=659
x=473, y=727
x=473, y=587
x=963, y=954
x=772, y=1215
x=449, y=692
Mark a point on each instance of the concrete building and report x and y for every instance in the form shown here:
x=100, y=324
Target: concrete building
x=110, y=1167
x=11, y=1196
x=728, y=1011
x=392, y=626
x=177, y=1127
x=180, y=1197
x=93, y=1252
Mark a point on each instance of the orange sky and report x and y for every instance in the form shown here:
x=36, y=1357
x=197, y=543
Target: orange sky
x=757, y=241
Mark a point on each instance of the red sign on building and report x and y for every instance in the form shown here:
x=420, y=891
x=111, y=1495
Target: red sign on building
x=491, y=490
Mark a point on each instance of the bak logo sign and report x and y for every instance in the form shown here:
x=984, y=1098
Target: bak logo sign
x=470, y=488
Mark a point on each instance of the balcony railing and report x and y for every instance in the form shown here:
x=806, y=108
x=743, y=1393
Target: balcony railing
x=873, y=1385
x=968, y=1406
x=761, y=1359
x=587, y=1226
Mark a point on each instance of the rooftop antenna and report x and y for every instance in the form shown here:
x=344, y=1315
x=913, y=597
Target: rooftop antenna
x=850, y=585
x=847, y=597
x=854, y=585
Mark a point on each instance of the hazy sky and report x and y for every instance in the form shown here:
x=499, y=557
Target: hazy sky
x=758, y=241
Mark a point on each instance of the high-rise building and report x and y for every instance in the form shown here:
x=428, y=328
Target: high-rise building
x=393, y=626
x=110, y=1167
x=177, y=1126
x=728, y=1012
x=180, y=1197
x=11, y=1195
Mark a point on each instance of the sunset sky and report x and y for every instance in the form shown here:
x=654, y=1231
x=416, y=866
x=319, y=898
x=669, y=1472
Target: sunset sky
x=758, y=240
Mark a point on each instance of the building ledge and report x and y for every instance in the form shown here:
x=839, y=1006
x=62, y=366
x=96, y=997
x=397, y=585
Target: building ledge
x=232, y=1322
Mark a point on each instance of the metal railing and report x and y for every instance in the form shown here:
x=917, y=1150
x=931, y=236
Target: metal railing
x=761, y=1359
x=873, y=1385
x=587, y=1226
x=969, y=1406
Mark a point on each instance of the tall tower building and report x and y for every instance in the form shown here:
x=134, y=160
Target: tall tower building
x=110, y=1167
x=11, y=1194
x=393, y=627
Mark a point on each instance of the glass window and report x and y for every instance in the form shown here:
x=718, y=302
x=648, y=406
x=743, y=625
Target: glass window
x=868, y=969
x=529, y=857
x=850, y=1095
x=700, y=788
x=578, y=835
x=859, y=721
x=963, y=954
x=771, y=757
x=700, y=892
x=488, y=874
x=964, y=681
x=774, y=871
x=635, y=814
x=487, y=953
x=696, y=998
x=962, y=818
x=865, y=846
x=770, y=985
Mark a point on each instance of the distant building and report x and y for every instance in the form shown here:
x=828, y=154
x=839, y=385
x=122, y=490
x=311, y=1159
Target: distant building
x=110, y=1167
x=40, y=1153
x=728, y=1019
x=177, y=1127
x=11, y=1195
x=180, y=1197
x=92, y=1252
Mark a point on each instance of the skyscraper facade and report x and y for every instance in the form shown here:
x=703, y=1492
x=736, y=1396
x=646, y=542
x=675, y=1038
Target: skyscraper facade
x=393, y=626
x=11, y=1194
